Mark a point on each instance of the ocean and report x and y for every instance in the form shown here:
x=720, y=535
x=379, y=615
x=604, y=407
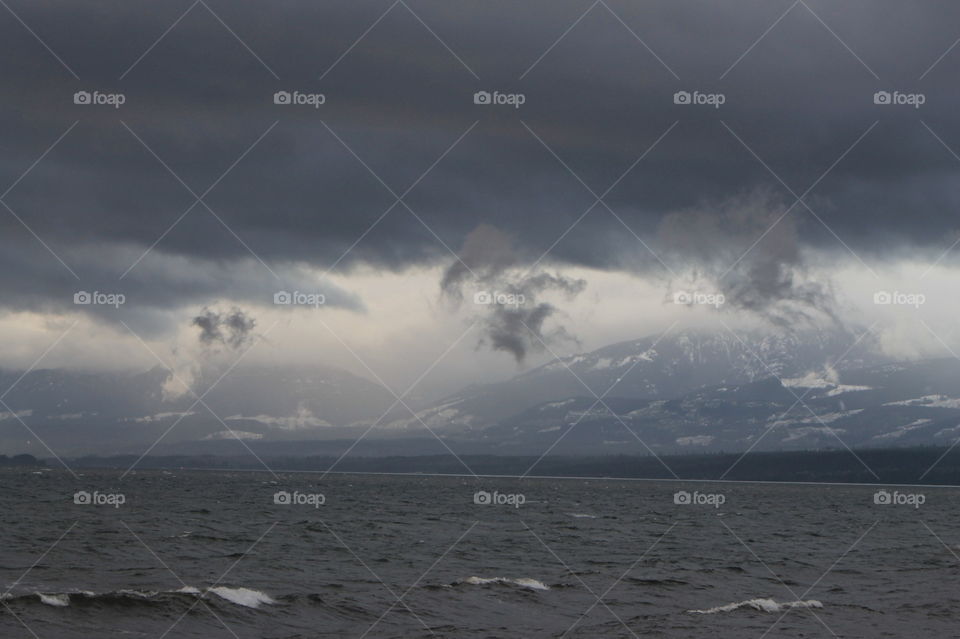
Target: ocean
x=221, y=554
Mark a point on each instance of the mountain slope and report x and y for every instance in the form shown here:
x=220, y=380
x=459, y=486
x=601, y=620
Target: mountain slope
x=82, y=411
x=649, y=368
x=914, y=403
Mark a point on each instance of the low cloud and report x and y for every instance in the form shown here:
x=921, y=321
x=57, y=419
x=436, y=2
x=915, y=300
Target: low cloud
x=507, y=294
x=232, y=329
x=748, y=248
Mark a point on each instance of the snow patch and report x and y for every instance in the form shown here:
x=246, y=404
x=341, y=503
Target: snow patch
x=929, y=401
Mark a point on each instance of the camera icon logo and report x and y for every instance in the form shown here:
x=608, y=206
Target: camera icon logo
x=282, y=297
x=484, y=298
x=82, y=497
x=482, y=97
x=882, y=97
x=682, y=497
x=882, y=497
x=81, y=97
x=482, y=498
x=282, y=497
x=82, y=297
x=281, y=97
x=682, y=297
x=882, y=297
x=681, y=97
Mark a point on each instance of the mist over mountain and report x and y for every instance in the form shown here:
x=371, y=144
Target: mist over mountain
x=86, y=412
x=691, y=391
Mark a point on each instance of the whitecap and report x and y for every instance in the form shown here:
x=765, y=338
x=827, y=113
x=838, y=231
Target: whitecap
x=765, y=605
x=242, y=596
x=531, y=583
x=524, y=582
x=58, y=600
x=137, y=594
x=582, y=516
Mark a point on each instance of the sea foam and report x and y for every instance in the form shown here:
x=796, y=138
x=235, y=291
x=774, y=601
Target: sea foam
x=765, y=605
x=242, y=596
x=58, y=600
x=524, y=582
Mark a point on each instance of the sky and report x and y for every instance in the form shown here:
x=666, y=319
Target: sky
x=467, y=190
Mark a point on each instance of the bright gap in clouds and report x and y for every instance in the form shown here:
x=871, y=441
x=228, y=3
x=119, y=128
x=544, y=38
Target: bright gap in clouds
x=407, y=325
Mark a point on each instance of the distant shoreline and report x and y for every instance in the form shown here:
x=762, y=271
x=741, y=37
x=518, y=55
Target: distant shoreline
x=22, y=461
x=933, y=466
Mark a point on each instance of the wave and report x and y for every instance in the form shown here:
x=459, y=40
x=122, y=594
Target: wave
x=524, y=582
x=764, y=605
x=242, y=596
x=58, y=600
x=245, y=597
x=582, y=516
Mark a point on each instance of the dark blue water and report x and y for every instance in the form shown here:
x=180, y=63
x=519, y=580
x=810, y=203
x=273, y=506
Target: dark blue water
x=201, y=554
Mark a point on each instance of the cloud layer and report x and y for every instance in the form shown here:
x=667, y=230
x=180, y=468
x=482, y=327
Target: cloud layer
x=200, y=187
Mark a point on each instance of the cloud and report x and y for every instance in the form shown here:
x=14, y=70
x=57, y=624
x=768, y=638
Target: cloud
x=748, y=248
x=284, y=194
x=506, y=293
x=485, y=255
x=223, y=336
x=233, y=328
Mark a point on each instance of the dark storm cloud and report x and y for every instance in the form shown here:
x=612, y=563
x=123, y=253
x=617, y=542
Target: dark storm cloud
x=519, y=329
x=200, y=100
x=505, y=293
x=233, y=328
x=486, y=254
x=719, y=241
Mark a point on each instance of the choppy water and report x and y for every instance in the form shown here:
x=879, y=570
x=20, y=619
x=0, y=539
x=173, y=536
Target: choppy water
x=194, y=554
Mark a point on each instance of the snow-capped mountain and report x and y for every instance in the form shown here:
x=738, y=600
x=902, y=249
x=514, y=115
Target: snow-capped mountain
x=690, y=391
x=915, y=403
x=651, y=368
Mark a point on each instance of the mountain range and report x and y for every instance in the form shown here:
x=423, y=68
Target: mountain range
x=693, y=391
